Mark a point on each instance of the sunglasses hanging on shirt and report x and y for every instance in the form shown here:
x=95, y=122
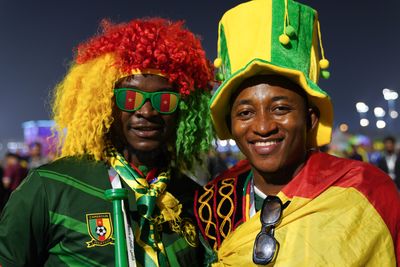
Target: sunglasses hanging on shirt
x=266, y=247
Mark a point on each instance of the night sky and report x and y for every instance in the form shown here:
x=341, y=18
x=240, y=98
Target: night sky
x=361, y=40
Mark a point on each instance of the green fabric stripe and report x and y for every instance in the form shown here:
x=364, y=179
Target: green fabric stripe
x=91, y=190
x=68, y=222
x=174, y=249
x=93, y=226
x=223, y=53
x=72, y=259
x=296, y=54
x=121, y=99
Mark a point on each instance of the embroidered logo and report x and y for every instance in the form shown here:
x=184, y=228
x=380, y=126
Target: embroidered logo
x=100, y=229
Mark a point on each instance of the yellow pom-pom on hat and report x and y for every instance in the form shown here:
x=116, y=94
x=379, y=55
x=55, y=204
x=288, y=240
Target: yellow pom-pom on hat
x=218, y=62
x=284, y=39
x=324, y=63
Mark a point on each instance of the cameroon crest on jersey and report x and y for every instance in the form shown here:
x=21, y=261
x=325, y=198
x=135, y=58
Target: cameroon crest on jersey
x=100, y=229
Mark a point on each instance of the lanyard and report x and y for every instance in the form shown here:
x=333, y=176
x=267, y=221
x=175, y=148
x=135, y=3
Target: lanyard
x=251, y=191
x=130, y=240
x=252, y=210
x=249, y=204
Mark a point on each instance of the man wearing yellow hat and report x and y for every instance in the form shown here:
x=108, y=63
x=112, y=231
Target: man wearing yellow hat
x=288, y=204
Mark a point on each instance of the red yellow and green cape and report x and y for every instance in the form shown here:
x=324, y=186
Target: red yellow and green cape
x=341, y=213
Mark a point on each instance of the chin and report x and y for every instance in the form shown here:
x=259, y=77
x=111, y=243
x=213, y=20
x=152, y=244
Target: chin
x=147, y=149
x=267, y=169
x=266, y=165
x=147, y=146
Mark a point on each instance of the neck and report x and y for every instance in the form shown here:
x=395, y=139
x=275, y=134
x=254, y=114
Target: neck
x=271, y=183
x=268, y=189
x=151, y=159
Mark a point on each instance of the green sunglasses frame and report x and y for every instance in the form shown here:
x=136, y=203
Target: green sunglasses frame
x=146, y=96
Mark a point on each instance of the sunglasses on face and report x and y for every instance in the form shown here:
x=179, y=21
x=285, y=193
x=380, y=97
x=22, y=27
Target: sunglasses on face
x=266, y=246
x=128, y=99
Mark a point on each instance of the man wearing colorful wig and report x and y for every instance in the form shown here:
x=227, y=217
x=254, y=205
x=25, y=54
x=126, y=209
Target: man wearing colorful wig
x=131, y=112
x=288, y=204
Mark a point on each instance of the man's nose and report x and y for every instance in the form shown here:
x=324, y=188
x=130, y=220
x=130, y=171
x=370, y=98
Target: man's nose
x=265, y=124
x=147, y=110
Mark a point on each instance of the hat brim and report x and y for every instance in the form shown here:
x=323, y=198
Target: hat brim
x=220, y=102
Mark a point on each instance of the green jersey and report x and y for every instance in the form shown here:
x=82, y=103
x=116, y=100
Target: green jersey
x=60, y=217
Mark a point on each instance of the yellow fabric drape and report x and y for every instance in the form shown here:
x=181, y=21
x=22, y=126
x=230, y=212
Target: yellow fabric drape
x=318, y=232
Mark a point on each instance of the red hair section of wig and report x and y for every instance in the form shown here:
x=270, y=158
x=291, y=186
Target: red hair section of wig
x=153, y=43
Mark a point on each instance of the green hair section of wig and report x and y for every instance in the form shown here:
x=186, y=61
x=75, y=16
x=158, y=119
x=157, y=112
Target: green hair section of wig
x=194, y=133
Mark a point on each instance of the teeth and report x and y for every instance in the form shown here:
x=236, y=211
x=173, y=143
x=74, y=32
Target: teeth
x=269, y=143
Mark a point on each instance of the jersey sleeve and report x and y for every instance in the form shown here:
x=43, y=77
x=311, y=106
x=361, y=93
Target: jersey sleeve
x=24, y=225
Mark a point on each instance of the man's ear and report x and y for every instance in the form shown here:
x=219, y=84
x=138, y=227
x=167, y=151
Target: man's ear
x=312, y=118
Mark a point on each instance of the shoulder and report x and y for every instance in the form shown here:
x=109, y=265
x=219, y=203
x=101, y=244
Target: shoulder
x=73, y=165
x=233, y=177
x=220, y=202
x=82, y=168
x=358, y=174
x=323, y=171
x=228, y=185
x=235, y=171
x=65, y=176
x=341, y=171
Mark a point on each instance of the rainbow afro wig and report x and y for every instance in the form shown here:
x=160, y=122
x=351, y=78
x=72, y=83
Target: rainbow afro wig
x=83, y=102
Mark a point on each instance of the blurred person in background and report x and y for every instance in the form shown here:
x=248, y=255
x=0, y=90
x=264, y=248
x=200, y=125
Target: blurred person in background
x=389, y=161
x=215, y=163
x=229, y=158
x=353, y=153
x=14, y=172
x=36, y=157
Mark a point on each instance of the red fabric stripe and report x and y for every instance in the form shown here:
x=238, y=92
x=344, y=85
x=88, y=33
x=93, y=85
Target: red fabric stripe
x=323, y=170
x=137, y=170
x=130, y=99
x=151, y=175
x=165, y=101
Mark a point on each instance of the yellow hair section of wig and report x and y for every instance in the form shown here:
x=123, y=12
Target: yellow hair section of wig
x=82, y=108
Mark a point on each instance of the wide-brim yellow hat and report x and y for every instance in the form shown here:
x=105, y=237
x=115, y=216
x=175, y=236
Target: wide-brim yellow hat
x=279, y=37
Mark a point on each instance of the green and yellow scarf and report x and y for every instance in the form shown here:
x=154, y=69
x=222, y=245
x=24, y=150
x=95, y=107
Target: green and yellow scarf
x=155, y=206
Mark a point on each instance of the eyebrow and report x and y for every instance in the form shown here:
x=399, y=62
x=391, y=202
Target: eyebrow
x=274, y=99
x=243, y=102
x=277, y=98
